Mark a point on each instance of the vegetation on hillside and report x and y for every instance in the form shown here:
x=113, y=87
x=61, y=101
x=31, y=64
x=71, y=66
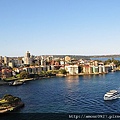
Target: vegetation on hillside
x=24, y=75
x=116, y=62
x=9, y=101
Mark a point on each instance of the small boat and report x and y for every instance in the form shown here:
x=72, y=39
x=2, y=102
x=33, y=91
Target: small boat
x=111, y=95
x=15, y=83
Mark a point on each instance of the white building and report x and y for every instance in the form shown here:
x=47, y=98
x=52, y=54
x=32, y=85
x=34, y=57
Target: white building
x=72, y=69
x=27, y=58
x=11, y=64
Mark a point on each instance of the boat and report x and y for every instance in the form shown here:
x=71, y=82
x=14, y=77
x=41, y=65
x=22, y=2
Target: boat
x=111, y=95
x=15, y=83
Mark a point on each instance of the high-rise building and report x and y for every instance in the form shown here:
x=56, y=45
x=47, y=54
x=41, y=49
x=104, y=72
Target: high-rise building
x=27, y=58
x=28, y=54
x=6, y=60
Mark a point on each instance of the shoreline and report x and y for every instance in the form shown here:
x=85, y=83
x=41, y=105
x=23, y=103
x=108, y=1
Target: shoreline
x=9, y=103
x=58, y=75
x=10, y=109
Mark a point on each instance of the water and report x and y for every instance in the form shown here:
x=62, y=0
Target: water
x=105, y=58
x=73, y=94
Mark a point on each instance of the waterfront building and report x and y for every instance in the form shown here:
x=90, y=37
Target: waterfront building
x=95, y=69
x=28, y=69
x=108, y=68
x=35, y=69
x=86, y=69
x=95, y=63
x=101, y=69
x=113, y=66
x=91, y=69
x=72, y=69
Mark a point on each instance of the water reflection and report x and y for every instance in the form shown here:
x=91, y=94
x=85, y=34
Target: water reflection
x=71, y=81
x=91, y=77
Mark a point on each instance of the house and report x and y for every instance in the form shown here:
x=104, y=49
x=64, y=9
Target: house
x=72, y=69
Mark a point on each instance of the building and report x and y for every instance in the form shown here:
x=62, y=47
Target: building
x=88, y=69
x=6, y=73
x=35, y=70
x=67, y=58
x=72, y=69
x=11, y=63
x=27, y=58
x=6, y=60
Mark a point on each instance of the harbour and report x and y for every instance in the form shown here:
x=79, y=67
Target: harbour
x=71, y=94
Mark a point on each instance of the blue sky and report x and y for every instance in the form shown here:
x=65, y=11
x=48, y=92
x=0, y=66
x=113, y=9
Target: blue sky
x=78, y=27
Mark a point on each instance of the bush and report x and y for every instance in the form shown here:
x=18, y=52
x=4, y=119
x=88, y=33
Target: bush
x=24, y=75
x=63, y=71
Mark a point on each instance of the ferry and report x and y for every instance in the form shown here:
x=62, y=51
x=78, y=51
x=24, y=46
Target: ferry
x=111, y=95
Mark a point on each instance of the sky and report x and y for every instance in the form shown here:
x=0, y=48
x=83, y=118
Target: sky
x=59, y=27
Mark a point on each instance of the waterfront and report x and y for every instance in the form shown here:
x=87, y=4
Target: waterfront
x=72, y=94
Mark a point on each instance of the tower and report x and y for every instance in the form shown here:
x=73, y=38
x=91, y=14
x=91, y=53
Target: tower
x=27, y=58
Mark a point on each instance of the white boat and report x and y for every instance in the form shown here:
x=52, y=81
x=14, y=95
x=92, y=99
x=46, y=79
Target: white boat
x=15, y=83
x=112, y=94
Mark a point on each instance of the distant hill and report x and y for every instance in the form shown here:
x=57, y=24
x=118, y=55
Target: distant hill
x=97, y=56
x=86, y=57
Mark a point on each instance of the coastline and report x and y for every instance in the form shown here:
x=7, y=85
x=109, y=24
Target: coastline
x=9, y=103
x=57, y=75
x=10, y=109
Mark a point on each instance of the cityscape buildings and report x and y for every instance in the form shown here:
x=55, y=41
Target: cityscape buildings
x=36, y=64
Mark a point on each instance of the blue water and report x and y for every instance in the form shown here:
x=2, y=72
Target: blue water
x=105, y=58
x=73, y=94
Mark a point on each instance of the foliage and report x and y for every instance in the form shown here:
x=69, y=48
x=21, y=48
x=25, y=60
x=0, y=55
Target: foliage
x=10, y=99
x=10, y=78
x=24, y=75
x=108, y=61
x=116, y=62
x=55, y=71
x=6, y=96
x=63, y=71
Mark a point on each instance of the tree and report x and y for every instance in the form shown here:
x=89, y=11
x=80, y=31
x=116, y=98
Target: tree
x=7, y=96
x=24, y=75
x=63, y=71
x=108, y=61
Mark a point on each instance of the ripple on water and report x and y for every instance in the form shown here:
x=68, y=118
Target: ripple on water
x=81, y=94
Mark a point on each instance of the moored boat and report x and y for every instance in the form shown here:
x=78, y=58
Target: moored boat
x=15, y=83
